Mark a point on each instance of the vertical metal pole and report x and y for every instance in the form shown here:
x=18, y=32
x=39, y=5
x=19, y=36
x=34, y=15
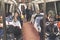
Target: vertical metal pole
x=55, y=7
x=4, y=24
x=44, y=19
x=7, y=7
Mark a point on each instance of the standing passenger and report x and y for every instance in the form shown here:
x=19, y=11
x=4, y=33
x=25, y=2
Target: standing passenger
x=17, y=25
x=28, y=14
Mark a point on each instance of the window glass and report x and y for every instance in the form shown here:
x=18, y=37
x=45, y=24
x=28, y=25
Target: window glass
x=50, y=6
x=58, y=7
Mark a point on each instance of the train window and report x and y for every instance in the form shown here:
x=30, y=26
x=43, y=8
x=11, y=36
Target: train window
x=58, y=7
x=41, y=6
x=7, y=7
x=58, y=10
x=50, y=6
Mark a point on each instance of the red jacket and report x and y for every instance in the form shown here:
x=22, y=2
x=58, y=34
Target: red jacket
x=58, y=24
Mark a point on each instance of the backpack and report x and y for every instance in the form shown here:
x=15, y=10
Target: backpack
x=37, y=19
x=49, y=29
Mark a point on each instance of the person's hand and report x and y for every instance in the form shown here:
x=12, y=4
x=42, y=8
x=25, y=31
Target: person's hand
x=58, y=33
x=47, y=34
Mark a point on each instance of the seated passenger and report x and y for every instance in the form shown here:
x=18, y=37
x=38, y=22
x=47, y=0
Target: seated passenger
x=17, y=25
x=15, y=21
